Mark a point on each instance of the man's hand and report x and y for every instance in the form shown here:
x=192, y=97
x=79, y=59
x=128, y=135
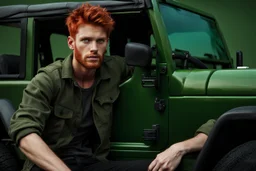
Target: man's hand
x=169, y=159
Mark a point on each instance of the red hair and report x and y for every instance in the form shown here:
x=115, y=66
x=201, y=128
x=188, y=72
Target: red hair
x=88, y=14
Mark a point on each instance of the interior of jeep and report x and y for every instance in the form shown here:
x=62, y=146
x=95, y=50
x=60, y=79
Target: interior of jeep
x=50, y=40
x=10, y=48
x=51, y=36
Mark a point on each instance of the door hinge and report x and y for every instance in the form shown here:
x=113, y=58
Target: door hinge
x=148, y=81
x=151, y=135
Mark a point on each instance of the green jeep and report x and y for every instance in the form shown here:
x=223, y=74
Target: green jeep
x=183, y=76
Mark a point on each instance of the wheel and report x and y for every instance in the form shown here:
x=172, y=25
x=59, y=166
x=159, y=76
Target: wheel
x=8, y=161
x=241, y=158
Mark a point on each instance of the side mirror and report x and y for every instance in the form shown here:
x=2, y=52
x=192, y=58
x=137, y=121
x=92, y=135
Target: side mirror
x=137, y=54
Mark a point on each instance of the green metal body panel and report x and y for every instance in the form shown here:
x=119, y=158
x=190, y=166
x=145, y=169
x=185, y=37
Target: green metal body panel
x=213, y=83
x=187, y=82
x=191, y=95
x=232, y=83
x=140, y=112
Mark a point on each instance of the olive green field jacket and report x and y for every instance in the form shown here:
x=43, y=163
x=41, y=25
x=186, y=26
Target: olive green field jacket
x=52, y=105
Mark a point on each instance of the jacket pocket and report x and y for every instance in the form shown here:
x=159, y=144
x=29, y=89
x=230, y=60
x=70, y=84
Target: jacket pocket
x=107, y=98
x=104, y=99
x=57, y=123
x=103, y=107
x=63, y=112
x=106, y=102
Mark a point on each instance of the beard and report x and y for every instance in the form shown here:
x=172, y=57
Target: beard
x=88, y=61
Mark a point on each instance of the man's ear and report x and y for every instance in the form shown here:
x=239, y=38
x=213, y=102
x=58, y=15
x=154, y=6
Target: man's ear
x=71, y=42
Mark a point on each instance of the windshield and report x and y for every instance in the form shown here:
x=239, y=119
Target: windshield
x=192, y=32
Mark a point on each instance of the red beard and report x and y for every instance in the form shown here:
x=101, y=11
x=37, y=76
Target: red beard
x=92, y=61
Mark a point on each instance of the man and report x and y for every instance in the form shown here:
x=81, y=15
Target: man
x=63, y=122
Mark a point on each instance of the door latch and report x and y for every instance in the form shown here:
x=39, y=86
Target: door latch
x=160, y=105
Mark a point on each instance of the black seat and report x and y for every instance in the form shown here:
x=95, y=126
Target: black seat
x=232, y=129
x=6, y=112
x=9, y=64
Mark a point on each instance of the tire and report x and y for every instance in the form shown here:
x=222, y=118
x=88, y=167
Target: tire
x=241, y=158
x=8, y=161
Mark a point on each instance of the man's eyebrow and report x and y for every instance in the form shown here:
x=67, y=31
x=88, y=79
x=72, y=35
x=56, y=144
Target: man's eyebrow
x=88, y=37
x=102, y=38
x=85, y=37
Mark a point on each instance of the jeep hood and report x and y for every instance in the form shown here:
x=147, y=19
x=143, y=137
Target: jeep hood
x=214, y=82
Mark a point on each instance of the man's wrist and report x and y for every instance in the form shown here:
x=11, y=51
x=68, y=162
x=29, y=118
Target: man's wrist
x=180, y=148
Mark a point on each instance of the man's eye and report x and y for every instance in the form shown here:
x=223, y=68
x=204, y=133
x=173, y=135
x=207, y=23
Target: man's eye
x=100, y=41
x=85, y=40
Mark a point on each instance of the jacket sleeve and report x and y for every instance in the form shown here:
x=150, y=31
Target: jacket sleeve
x=206, y=128
x=126, y=70
x=34, y=108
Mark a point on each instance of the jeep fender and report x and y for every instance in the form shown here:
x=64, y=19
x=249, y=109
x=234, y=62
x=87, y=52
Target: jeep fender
x=235, y=127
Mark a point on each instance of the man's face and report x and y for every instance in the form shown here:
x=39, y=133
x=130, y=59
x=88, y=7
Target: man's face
x=89, y=45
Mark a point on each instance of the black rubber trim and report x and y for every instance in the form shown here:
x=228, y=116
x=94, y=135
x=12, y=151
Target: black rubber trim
x=233, y=128
x=60, y=8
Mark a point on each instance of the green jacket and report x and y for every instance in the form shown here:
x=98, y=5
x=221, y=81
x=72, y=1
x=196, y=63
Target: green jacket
x=51, y=105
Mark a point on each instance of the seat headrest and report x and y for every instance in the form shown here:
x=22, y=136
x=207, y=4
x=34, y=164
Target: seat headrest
x=9, y=64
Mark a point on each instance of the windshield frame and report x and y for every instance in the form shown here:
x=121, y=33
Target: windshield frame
x=227, y=62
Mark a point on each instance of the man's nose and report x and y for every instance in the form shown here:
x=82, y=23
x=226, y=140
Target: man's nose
x=94, y=47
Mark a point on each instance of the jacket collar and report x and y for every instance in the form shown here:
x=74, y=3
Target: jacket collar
x=67, y=69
